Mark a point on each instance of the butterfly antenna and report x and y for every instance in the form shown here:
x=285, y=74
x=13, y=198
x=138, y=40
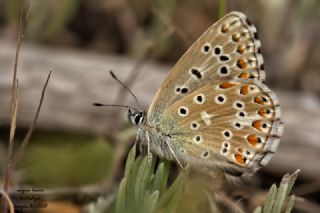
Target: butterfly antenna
x=114, y=105
x=125, y=86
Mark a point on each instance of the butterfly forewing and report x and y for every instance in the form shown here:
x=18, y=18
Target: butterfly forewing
x=228, y=124
x=228, y=50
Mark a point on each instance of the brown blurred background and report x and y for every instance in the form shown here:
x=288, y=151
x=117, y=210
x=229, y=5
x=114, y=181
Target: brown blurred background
x=76, y=145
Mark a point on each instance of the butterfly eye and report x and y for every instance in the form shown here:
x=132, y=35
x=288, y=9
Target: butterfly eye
x=138, y=118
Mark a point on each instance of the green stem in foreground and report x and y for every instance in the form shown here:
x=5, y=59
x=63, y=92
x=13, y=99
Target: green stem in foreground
x=221, y=8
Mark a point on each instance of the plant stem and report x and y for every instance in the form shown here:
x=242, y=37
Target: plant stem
x=221, y=8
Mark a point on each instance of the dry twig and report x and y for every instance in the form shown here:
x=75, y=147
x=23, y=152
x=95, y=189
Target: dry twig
x=31, y=128
x=7, y=198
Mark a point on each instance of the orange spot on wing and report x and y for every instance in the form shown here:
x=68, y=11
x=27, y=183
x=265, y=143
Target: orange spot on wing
x=224, y=28
x=241, y=49
x=226, y=85
x=242, y=63
x=239, y=158
x=258, y=100
x=257, y=124
x=244, y=90
x=236, y=37
x=240, y=150
x=262, y=112
x=244, y=75
x=253, y=139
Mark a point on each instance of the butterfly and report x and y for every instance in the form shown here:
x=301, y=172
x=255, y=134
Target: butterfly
x=213, y=109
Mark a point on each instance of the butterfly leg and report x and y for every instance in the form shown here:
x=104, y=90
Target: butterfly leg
x=137, y=138
x=173, y=153
x=148, y=141
x=140, y=138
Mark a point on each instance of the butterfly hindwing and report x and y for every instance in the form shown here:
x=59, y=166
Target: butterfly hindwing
x=228, y=50
x=228, y=124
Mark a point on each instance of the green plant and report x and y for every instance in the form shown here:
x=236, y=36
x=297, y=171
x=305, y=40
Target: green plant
x=143, y=188
x=278, y=198
x=146, y=188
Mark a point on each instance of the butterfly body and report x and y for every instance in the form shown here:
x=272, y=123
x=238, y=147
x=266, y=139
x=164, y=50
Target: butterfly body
x=213, y=109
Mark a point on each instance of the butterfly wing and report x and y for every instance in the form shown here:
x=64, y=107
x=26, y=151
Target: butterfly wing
x=233, y=125
x=213, y=104
x=228, y=50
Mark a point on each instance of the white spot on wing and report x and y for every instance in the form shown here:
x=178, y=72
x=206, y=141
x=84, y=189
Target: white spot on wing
x=206, y=118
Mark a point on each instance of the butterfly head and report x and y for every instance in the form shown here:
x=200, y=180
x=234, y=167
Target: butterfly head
x=136, y=117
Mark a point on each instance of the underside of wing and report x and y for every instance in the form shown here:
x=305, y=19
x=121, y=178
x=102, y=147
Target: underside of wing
x=229, y=124
x=228, y=50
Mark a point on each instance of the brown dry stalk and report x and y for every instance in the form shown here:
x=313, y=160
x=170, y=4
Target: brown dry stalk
x=14, y=110
x=7, y=198
x=14, y=107
x=26, y=139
